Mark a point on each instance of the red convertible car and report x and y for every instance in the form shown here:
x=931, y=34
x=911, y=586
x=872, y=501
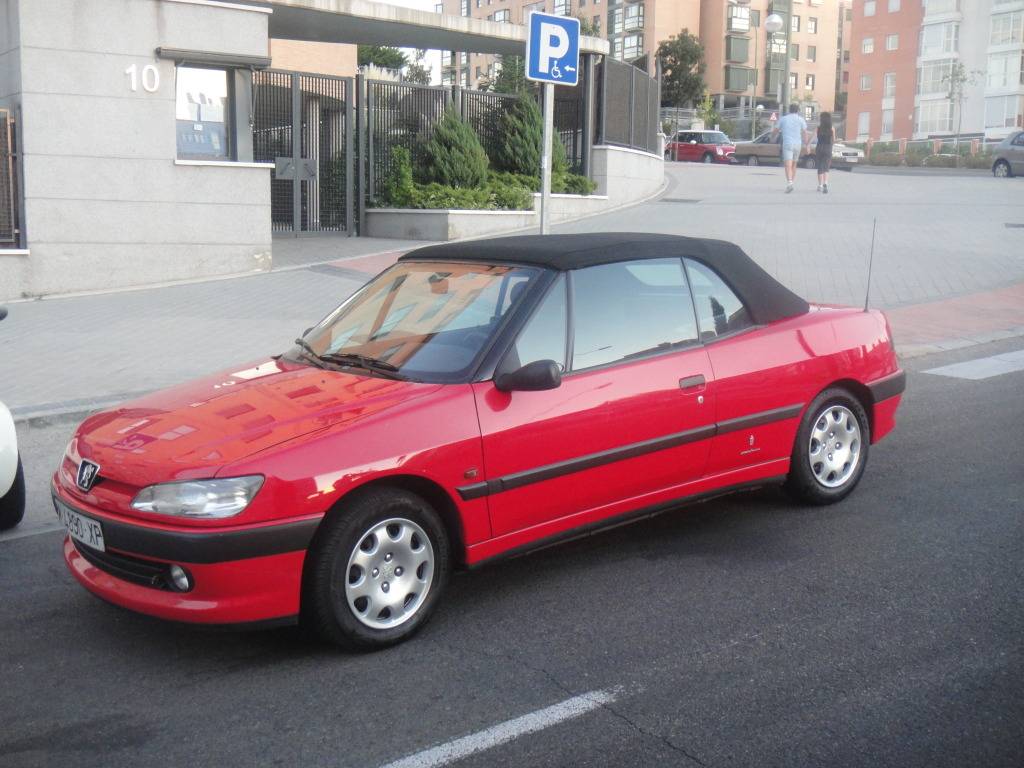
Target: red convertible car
x=472, y=401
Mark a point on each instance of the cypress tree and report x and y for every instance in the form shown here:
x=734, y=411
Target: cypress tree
x=454, y=156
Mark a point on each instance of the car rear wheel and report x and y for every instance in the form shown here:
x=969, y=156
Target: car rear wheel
x=809, y=162
x=12, y=503
x=376, y=570
x=831, y=449
x=708, y=158
x=752, y=160
x=1001, y=169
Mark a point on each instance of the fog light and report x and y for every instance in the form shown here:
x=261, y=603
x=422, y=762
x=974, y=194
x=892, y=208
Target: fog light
x=180, y=578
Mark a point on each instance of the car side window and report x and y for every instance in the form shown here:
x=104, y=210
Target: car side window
x=543, y=336
x=1019, y=141
x=629, y=309
x=719, y=310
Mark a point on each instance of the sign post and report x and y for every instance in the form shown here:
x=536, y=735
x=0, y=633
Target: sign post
x=552, y=56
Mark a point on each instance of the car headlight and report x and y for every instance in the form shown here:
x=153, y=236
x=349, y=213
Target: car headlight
x=199, y=498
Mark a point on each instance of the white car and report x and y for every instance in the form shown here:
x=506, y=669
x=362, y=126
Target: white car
x=12, y=476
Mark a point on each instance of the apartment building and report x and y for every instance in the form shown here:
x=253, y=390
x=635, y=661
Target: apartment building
x=907, y=55
x=844, y=36
x=633, y=27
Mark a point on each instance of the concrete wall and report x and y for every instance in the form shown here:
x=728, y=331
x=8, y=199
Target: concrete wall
x=106, y=203
x=624, y=176
x=325, y=58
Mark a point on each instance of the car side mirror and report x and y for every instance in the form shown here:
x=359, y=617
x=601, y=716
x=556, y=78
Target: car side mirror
x=693, y=141
x=532, y=377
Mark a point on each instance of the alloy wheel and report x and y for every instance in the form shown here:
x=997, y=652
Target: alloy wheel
x=834, y=448
x=389, y=573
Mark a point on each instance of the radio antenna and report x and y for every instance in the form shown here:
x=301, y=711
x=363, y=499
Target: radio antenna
x=871, y=261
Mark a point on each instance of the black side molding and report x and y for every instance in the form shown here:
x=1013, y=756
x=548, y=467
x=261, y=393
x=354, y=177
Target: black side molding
x=632, y=450
x=888, y=387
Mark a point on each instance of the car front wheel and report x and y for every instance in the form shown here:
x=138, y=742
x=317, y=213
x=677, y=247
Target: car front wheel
x=12, y=503
x=809, y=162
x=376, y=570
x=831, y=449
x=1001, y=170
x=708, y=157
x=752, y=160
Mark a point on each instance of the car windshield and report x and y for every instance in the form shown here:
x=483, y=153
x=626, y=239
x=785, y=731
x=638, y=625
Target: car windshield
x=421, y=320
x=715, y=137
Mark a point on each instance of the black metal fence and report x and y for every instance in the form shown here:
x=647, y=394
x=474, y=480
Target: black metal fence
x=311, y=187
x=627, y=106
x=8, y=181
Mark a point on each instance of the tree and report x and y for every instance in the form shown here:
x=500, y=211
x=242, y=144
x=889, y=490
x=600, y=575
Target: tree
x=416, y=72
x=682, y=65
x=588, y=27
x=382, y=56
x=706, y=111
x=958, y=79
x=512, y=76
x=454, y=156
x=521, y=135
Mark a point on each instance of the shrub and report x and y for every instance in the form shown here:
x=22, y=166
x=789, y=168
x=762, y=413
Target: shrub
x=521, y=131
x=916, y=157
x=574, y=184
x=399, y=188
x=885, y=158
x=980, y=160
x=454, y=156
x=940, y=161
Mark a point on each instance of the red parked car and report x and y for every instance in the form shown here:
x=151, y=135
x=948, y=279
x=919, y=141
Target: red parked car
x=472, y=401
x=700, y=147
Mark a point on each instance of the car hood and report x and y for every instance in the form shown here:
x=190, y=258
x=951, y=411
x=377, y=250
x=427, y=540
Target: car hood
x=195, y=429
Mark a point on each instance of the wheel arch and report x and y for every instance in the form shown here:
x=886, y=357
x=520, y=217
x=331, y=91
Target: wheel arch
x=860, y=391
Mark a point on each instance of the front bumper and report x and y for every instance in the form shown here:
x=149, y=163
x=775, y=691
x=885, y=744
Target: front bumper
x=239, y=575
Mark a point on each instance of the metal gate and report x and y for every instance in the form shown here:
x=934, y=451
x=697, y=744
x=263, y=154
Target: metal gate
x=305, y=125
x=8, y=197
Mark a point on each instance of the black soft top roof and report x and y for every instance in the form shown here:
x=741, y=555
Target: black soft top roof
x=765, y=297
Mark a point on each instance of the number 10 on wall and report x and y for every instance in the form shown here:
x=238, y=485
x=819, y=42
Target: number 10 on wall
x=150, y=78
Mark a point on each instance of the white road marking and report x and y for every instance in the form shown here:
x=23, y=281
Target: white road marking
x=984, y=367
x=505, y=732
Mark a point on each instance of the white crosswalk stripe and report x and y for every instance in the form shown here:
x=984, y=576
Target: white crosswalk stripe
x=984, y=367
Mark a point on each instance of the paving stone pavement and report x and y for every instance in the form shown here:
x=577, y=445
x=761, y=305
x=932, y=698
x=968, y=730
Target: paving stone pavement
x=938, y=239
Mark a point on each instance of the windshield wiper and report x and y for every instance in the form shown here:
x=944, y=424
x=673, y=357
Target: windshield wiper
x=360, y=361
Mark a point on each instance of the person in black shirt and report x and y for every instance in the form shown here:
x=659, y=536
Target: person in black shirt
x=823, y=153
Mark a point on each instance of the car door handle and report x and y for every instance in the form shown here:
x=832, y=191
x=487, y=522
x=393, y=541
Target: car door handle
x=692, y=383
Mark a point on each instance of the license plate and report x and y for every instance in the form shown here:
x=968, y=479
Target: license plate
x=851, y=159
x=79, y=527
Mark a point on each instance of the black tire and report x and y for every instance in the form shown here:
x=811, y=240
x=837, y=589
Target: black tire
x=810, y=162
x=752, y=160
x=325, y=606
x=1001, y=169
x=802, y=483
x=708, y=158
x=12, y=504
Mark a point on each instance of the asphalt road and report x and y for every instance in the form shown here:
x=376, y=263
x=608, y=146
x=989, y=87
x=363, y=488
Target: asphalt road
x=747, y=631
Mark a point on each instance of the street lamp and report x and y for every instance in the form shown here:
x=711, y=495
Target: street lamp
x=772, y=25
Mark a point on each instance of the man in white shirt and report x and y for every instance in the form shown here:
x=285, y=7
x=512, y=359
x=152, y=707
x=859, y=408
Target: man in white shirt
x=794, y=136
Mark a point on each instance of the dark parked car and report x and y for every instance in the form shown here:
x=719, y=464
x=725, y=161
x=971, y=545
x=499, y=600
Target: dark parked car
x=1009, y=156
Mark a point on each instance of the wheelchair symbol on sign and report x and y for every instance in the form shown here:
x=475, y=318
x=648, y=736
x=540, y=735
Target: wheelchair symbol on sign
x=556, y=72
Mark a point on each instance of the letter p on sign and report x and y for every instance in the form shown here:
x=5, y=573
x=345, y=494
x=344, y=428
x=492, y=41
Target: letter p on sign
x=553, y=49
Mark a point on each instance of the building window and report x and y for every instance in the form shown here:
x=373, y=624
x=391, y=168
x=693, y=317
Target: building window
x=812, y=25
x=562, y=7
x=617, y=49
x=1002, y=111
x=737, y=78
x=865, y=82
x=894, y=5
x=846, y=57
x=892, y=42
x=933, y=77
x=812, y=53
x=463, y=58
x=794, y=51
x=503, y=16
x=1007, y=29
x=889, y=86
x=464, y=8
x=935, y=7
x=614, y=20
x=439, y=8
x=203, y=103
x=849, y=14
x=863, y=123
x=1005, y=70
x=736, y=48
x=937, y=39
x=794, y=79
x=635, y=16
x=464, y=78
x=935, y=117
x=737, y=18
x=809, y=82
x=869, y=8
x=794, y=24
x=633, y=47
x=887, y=117
x=867, y=45
x=447, y=77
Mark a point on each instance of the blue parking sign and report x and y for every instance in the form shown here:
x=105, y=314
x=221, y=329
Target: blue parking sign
x=553, y=49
